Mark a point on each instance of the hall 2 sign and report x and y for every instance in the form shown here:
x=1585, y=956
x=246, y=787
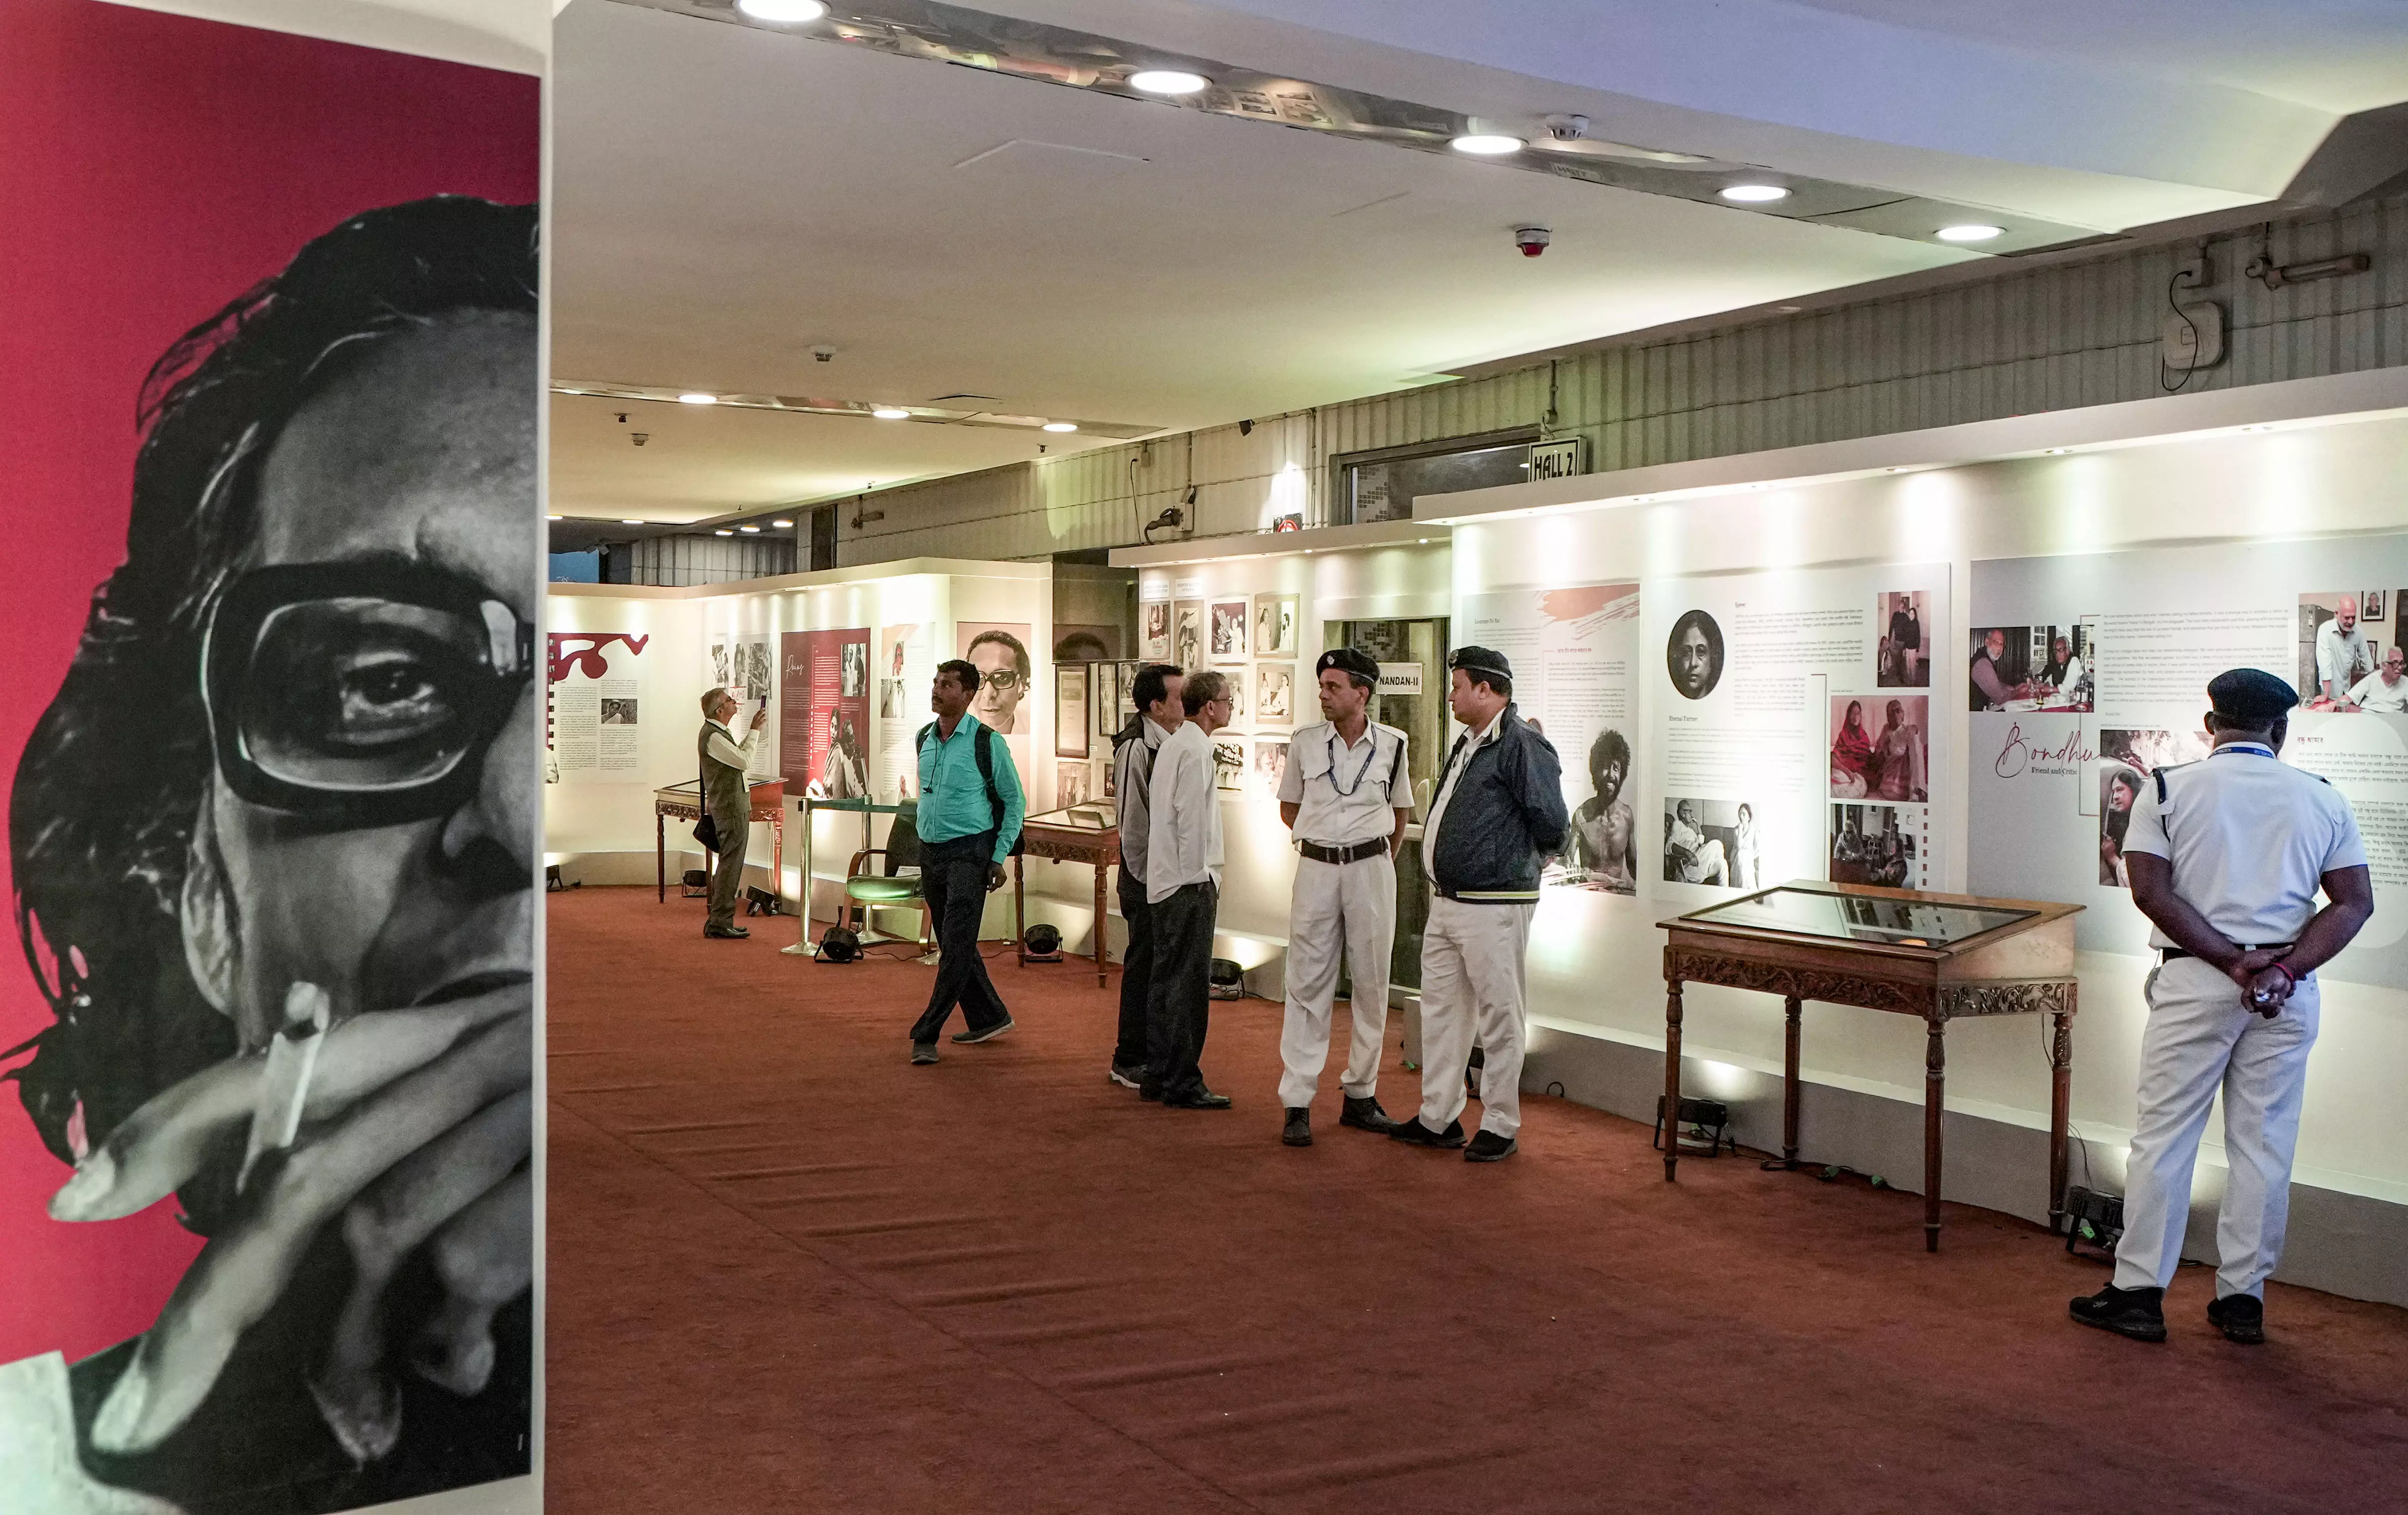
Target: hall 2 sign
x=1558, y=459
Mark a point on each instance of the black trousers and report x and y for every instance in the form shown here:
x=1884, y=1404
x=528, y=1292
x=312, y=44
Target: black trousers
x=1136, y=974
x=952, y=878
x=1179, y=1006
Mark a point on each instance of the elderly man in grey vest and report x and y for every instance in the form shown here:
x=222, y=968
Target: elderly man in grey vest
x=728, y=799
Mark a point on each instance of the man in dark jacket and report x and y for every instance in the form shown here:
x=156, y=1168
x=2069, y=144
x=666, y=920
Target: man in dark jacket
x=1497, y=811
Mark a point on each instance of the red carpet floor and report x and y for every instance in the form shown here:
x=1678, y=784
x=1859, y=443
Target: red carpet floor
x=789, y=1272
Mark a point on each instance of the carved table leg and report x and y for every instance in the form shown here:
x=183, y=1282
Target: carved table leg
x=1019, y=915
x=1672, y=1076
x=1789, y=1084
x=1935, y=1064
x=2060, y=1108
x=661, y=853
x=1102, y=930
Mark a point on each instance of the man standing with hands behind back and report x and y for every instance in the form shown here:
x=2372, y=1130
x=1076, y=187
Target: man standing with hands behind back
x=2226, y=856
x=1183, y=892
x=1497, y=811
x=970, y=816
x=728, y=799
x=1347, y=794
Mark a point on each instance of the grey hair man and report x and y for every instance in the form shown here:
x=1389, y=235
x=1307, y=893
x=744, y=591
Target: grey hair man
x=728, y=799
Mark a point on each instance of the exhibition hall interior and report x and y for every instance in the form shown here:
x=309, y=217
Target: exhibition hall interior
x=1288, y=755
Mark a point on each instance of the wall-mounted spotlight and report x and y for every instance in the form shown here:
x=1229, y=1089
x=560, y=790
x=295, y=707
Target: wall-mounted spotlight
x=2275, y=276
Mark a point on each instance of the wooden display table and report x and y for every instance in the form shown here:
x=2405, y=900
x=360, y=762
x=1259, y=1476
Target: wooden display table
x=683, y=802
x=1941, y=957
x=1080, y=834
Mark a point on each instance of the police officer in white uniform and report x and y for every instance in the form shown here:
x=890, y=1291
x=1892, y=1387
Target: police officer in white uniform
x=1347, y=794
x=2227, y=856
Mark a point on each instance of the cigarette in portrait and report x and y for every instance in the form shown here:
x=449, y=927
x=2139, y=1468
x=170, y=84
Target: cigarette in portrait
x=284, y=1087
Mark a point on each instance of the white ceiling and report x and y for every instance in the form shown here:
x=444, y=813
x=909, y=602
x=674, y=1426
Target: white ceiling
x=726, y=197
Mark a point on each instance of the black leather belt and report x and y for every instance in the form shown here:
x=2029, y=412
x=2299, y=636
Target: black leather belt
x=2170, y=954
x=1357, y=853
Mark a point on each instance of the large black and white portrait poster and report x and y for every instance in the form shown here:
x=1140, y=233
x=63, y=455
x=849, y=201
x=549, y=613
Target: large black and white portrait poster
x=273, y=733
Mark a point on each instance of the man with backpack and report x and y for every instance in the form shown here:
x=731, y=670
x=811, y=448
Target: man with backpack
x=970, y=816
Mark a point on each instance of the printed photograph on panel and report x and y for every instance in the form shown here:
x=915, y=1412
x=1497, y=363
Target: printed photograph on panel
x=1694, y=655
x=1872, y=844
x=2000, y=665
x=1709, y=842
x=1881, y=747
x=1001, y=652
x=1903, y=657
x=1155, y=617
x=1603, y=851
x=272, y=881
x=2339, y=650
x=2127, y=760
x=1275, y=694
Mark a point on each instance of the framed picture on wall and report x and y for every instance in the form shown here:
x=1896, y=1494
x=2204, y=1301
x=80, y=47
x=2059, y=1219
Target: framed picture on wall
x=1187, y=633
x=1229, y=630
x=1154, y=636
x=1275, y=625
x=1107, y=699
x=1274, y=693
x=1070, y=709
x=1125, y=709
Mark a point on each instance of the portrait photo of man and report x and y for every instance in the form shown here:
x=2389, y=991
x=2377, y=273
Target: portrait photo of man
x=284, y=795
x=1000, y=654
x=1604, y=826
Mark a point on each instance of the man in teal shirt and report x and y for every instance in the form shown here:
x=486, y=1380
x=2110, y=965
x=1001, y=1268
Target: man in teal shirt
x=970, y=816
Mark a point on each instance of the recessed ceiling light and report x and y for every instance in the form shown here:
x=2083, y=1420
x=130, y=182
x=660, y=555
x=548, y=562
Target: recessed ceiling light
x=890, y=412
x=783, y=11
x=782, y=523
x=630, y=522
x=750, y=531
x=1754, y=193
x=555, y=517
x=2058, y=452
x=1971, y=232
x=1167, y=81
x=722, y=533
x=698, y=398
x=1061, y=426
x=1488, y=145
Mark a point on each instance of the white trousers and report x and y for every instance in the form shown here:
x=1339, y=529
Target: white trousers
x=1348, y=908
x=1473, y=988
x=2201, y=1039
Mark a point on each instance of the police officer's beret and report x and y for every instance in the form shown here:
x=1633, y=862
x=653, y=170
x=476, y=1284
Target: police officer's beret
x=2251, y=697
x=1348, y=660
x=1482, y=660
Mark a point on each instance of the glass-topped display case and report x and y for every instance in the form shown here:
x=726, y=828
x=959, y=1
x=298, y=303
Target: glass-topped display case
x=1823, y=910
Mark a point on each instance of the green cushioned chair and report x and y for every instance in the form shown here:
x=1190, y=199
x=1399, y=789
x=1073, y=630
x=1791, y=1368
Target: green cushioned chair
x=863, y=889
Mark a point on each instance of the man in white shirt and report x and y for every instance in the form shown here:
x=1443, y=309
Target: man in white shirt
x=2226, y=857
x=1347, y=794
x=728, y=799
x=2384, y=690
x=1183, y=891
x=2342, y=654
x=1155, y=692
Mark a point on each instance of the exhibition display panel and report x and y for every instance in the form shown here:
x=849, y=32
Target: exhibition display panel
x=1940, y=957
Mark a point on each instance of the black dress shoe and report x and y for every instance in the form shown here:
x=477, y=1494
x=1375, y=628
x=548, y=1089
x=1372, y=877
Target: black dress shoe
x=2242, y=1318
x=1298, y=1130
x=1366, y=1114
x=2137, y=1313
x=922, y=1053
x=1198, y=1098
x=726, y=933
x=1418, y=1135
x=1490, y=1148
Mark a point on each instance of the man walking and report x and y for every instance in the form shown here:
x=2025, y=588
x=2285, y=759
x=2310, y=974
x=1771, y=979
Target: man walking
x=1155, y=692
x=2226, y=857
x=1347, y=796
x=1499, y=810
x=728, y=799
x=1183, y=891
x=970, y=816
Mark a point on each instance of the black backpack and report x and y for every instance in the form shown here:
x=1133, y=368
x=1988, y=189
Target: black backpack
x=985, y=750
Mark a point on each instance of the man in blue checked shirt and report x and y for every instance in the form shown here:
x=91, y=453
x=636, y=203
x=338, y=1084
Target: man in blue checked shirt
x=970, y=816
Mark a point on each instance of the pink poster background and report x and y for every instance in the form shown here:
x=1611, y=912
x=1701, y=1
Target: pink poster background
x=156, y=167
x=811, y=682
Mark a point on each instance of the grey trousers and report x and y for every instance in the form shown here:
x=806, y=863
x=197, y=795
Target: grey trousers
x=728, y=872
